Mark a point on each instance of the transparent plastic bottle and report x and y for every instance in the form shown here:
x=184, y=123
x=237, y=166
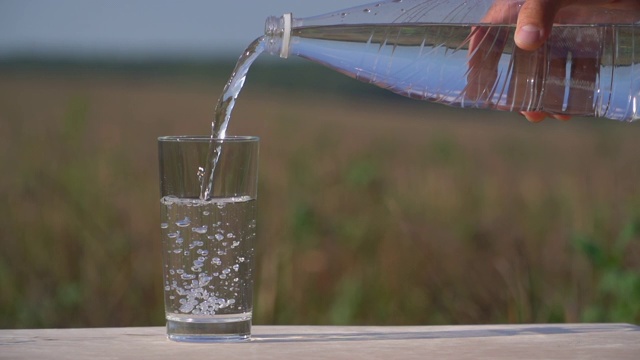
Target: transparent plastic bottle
x=462, y=53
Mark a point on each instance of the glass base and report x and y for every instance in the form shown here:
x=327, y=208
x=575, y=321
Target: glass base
x=225, y=331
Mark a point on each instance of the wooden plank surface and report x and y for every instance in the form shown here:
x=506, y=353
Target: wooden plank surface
x=558, y=341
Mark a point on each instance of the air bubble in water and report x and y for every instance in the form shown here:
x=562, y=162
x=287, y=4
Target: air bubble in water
x=164, y=226
x=204, y=277
x=200, y=230
x=219, y=237
x=184, y=222
x=187, y=276
x=186, y=308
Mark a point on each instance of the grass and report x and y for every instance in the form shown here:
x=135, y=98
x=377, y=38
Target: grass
x=371, y=211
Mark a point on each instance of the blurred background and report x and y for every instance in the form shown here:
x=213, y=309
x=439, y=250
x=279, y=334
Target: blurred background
x=374, y=209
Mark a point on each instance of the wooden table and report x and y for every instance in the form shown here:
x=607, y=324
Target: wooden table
x=558, y=341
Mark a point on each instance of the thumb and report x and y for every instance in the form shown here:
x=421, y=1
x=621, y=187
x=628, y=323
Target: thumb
x=535, y=20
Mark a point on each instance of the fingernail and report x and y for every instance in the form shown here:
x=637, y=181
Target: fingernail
x=529, y=34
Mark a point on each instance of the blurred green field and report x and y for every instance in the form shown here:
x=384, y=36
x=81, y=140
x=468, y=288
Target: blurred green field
x=372, y=209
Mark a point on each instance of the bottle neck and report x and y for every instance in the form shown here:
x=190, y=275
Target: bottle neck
x=278, y=33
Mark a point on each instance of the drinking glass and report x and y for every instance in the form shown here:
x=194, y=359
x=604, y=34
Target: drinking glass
x=208, y=226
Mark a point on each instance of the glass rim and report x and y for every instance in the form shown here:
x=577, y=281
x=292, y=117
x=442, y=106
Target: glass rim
x=207, y=138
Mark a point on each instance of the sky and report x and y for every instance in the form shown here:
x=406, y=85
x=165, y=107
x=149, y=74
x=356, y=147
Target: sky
x=143, y=28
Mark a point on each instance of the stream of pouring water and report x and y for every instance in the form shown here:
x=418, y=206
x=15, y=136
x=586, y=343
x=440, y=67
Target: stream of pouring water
x=223, y=110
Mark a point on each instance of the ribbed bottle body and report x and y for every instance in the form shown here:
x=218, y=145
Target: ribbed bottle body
x=582, y=70
x=462, y=53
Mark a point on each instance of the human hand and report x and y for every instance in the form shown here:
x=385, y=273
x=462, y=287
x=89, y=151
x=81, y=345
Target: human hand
x=534, y=20
x=536, y=17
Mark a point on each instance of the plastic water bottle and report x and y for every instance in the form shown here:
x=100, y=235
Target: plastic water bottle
x=462, y=53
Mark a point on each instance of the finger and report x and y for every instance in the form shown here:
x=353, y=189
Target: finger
x=538, y=116
x=534, y=116
x=486, y=47
x=536, y=17
x=535, y=20
x=562, y=117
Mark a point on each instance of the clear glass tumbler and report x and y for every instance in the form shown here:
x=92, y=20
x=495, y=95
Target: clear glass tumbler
x=208, y=241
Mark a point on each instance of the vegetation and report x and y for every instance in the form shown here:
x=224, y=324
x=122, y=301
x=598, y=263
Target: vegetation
x=372, y=209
